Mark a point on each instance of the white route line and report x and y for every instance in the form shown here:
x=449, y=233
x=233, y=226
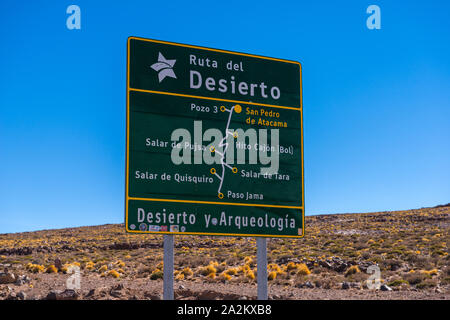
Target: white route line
x=224, y=143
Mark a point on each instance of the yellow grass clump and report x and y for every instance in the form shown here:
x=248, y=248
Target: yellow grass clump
x=275, y=268
x=245, y=268
x=214, y=263
x=250, y=274
x=225, y=276
x=431, y=272
x=352, y=270
x=291, y=266
x=120, y=263
x=209, y=269
x=103, y=268
x=89, y=266
x=65, y=268
x=35, y=268
x=187, y=272
x=303, y=269
x=231, y=271
x=179, y=276
x=113, y=273
x=51, y=269
x=272, y=275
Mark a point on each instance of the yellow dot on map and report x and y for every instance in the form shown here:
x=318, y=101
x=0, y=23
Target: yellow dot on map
x=222, y=108
x=237, y=108
x=234, y=170
x=220, y=195
x=213, y=171
x=212, y=149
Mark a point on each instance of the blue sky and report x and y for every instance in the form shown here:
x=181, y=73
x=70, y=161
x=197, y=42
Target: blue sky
x=376, y=102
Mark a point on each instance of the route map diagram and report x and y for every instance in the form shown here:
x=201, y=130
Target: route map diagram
x=224, y=143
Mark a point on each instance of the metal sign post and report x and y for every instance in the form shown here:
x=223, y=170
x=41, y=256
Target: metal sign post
x=261, y=253
x=168, y=267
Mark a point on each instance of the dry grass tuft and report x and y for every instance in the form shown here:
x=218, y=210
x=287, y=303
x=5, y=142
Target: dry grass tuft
x=352, y=270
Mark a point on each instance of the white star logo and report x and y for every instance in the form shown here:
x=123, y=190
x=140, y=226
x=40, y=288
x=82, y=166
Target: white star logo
x=164, y=67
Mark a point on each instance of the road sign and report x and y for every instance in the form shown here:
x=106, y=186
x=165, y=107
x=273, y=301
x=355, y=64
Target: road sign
x=214, y=142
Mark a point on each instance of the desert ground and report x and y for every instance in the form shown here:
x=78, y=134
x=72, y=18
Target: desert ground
x=409, y=247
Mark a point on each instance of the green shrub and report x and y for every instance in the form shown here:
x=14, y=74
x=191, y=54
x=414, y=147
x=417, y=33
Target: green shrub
x=416, y=277
x=397, y=282
x=428, y=283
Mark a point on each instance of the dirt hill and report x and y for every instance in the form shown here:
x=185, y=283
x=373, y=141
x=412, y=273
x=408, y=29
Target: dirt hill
x=410, y=247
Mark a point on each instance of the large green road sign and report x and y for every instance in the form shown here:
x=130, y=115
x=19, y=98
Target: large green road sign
x=214, y=142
